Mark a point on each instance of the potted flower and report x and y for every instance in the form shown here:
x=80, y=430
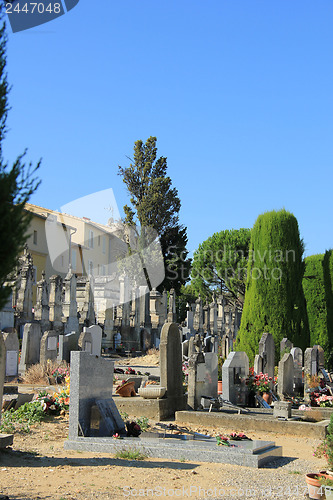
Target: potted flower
x=317, y=482
x=260, y=383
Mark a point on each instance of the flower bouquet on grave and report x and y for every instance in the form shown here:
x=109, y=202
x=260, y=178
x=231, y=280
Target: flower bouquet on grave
x=239, y=436
x=222, y=440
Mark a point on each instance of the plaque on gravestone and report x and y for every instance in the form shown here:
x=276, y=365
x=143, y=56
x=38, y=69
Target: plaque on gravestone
x=201, y=372
x=314, y=368
x=111, y=416
x=87, y=346
x=52, y=344
x=11, y=363
x=237, y=376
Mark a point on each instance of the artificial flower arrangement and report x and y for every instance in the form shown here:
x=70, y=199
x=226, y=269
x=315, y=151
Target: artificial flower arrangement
x=259, y=383
x=224, y=440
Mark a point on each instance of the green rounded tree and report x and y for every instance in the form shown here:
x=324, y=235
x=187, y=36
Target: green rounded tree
x=274, y=298
x=318, y=290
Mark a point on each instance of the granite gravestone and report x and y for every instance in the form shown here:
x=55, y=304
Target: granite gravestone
x=85, y=342
x=286, y=376
x=12, y=347
x=49, y=346
x=258, y=364
x=96, y=337
x=91, y=381
x=297, y=355
x=235, y=371
x=211, y=374
x=30, y=353
x=267, y=351
x=171, y=367
x=196, y=380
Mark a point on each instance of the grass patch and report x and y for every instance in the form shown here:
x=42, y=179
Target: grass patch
x=132, y=453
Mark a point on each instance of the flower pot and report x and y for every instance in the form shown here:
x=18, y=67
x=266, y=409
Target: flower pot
x=126, y=390
x=219, y=386
x=152, y=391
x=316, y=490
x=266, y=396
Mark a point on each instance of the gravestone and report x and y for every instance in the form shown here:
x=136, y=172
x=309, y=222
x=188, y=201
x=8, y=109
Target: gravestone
x=196, y=380
x=2, y=369
x=49, y=346
x=211, y=374
x=310, y=369
x=235, y=371
x=96, y=337
x=297, y=355
x=12, y=347
x=91, y=381
x=185, y=346
x=320, y=355
x=286, y=376
x=67, y=343
x=30, y=353
x=258, y=364
x=171, y=367
x=191, y=347
x=111, y=417
x=285, y=344
x=85, y=342
x=267, y=351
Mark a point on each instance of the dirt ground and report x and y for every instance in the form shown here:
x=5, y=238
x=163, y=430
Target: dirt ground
x=37, y=467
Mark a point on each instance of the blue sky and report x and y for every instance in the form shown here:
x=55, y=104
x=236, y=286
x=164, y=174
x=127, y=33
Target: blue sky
x=237, y=92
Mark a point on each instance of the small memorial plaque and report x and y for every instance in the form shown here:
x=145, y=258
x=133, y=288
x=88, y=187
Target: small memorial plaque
x=111, y=416
x=201, y=372
x=11, y=363
x=52, y=344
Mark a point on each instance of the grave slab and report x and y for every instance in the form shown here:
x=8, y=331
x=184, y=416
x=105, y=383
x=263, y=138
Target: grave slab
x=246, y=453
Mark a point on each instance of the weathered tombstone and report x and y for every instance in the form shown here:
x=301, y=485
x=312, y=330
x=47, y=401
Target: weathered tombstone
x=198, y=316
x=235, y=371
x=267, y=351
x=96, y=337
x=285, y=345
x=91, y=381
x=191, y=348
x=196, y=380
x=12, y=347
x=69, y=306
x=211, y=374
x=2, y=369
x=55, y=303
x=282, y=409
x=171, y=367
x=42, y=309
x=258, y=364
x=320, y=355
x=49, y=346
x=85, y=342
x=286, y=376
x=310, y=369
x=30, y=353
x=297, y=355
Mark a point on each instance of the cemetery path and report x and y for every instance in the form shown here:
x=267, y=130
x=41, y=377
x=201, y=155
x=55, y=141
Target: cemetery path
x=37, y=467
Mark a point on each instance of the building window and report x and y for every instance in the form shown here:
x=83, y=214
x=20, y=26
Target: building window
x=90, y=267
x=99, y=240
x=35, y=237
x=104, y=245
x=91, y=239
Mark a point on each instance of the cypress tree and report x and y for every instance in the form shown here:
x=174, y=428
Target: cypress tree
x=318, y=290
x=274, y=298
